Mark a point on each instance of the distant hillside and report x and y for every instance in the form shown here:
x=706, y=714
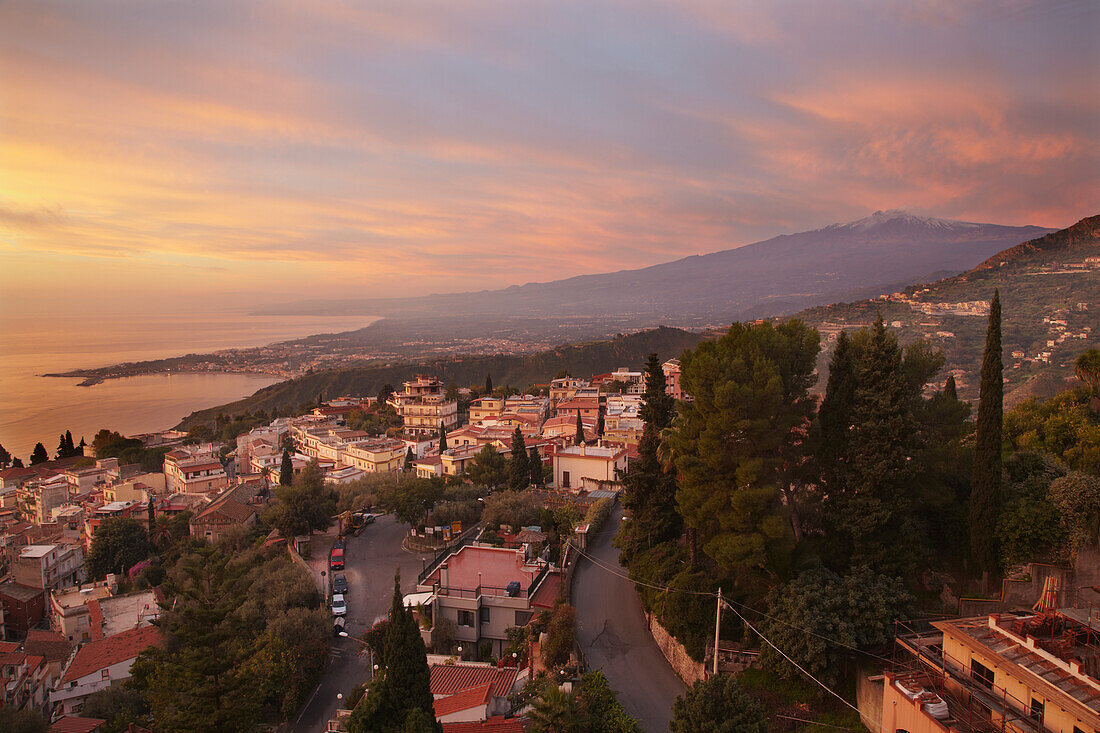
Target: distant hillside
x=1050, y=297
x=837, y=262
x=517, y=371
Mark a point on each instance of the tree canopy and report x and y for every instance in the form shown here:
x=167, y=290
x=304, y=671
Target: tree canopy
x=717, y=705
x=119, y=543
x=306, y=505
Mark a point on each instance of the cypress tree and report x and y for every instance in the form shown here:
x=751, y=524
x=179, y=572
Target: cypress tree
x=534, y=466
x=409, y=458
x=950, y=390
x=834, y=418
x=488, y=383
x=599, y=423
x=650, y=490
x=286, y=469
x=151, y=518
x=402, y=694
x=69, y=443
x=986, y=482
x=62, y=452
x=580, y=430
x=519, y=470
x=442, y=439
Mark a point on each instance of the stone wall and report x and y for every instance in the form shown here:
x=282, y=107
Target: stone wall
x=869, y=694
x=681, y=662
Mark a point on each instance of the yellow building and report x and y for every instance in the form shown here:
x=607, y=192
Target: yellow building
x=1034, y=672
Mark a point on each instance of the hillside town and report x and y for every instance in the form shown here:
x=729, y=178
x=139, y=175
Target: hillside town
x=67, y=636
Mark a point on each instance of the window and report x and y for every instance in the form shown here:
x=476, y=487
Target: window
x=105, y=674
x=1037, y=710
x=565, y=479
x=982, y=674
x=484, y=614
x=465, y=618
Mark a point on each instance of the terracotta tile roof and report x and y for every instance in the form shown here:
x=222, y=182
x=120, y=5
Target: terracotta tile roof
x=447, y=679
x=95, y=619
x=463, y=700
x=96, y=655
x=49, y=644
x=495, y=724
x=227, y=510
x=73, y=724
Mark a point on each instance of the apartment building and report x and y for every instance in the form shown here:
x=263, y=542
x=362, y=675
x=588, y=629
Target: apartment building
x=39, y=497
x=424, y=407
x=484, y=591
x=49, y=566
x=1015, y=672
x=671, y=368
x=99, y=664
x=565, y=388
x=588, y=467
x=195, y=469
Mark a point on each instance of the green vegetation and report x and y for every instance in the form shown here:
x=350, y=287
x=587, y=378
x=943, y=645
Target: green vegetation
x=986, y=483
x=489, y=468
x=110, y=444
x=399, y=698
x=305, y=505
x=39, y=454
x=119, y=544
x=717, y=705
x=244, y=641
x=22, y=721
x=588, y=358
x=519, y=470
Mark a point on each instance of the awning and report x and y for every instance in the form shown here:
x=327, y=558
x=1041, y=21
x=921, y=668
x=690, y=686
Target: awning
x=419, y=599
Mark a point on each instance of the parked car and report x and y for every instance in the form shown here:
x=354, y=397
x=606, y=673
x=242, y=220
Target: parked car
x=368, y=518
x=339, y=544
x=336, y=559
x=339, y=583
x=339, y=608
x=338, y=625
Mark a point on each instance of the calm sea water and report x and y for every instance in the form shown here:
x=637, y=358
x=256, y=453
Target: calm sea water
x=35, y=408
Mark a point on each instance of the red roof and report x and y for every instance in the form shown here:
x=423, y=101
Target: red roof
x=73, y=724
x=447, y=679
x=96, y=655
x=464, y=700
x=495, y=724
x=15, y=472
x=95, y=619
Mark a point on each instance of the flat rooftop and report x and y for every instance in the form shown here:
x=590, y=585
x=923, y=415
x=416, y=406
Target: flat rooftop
x=475, y=565
x=37, y=551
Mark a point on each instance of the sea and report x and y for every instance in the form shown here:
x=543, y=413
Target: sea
x=34, y=408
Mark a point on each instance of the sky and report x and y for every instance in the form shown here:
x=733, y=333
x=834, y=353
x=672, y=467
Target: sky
x=184, y=155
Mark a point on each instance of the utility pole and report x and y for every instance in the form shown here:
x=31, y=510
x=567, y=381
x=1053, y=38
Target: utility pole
x=717, y=626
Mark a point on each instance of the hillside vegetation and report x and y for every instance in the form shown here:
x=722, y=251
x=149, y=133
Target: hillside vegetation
x=1052, y=278
x=518, y=371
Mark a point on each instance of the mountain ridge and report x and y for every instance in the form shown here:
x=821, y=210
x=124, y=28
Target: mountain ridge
x=845, y=260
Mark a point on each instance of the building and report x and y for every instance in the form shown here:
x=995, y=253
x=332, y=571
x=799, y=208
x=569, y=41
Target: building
x=376, y=455
x=589, y=409
x=345, y=475
x=485, y=591
x=98, y=664
x=424, y=407
x=38, y=497
x=565, y=388
x=1016, y=672
x=49, y=566
x=92, y=612
x=671, y=368
x=588, y=467
x=194, y=469
x=21, y=608
x=225, y=514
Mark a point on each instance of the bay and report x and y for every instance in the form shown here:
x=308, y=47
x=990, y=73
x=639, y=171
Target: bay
x=35, y=408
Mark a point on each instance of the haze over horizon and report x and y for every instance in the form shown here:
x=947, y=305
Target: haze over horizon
x=243, y=153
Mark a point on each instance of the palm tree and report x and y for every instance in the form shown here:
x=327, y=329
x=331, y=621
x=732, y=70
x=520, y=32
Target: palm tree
x=1087, y=368
x=557, y=711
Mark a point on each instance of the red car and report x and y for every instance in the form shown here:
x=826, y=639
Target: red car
x=336, y=559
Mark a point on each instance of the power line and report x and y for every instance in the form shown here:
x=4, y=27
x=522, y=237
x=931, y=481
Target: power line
x=724, y=600
x=812, y=722
x=799, y=667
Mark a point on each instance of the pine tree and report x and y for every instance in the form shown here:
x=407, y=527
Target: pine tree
x=17, y=463
x=286, y=469
x=534, y=466
x=61, y=450
x=519, y=470
x=488, y=383
x=442, y=439
x=5, y=457
x=39, y=454
x=986, y=483
x=580, y=430
x=409, y=458
x=69, y=442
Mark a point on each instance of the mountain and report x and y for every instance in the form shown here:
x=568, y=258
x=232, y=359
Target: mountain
x=518, y=371
x=1050, y=299
x=837, y=262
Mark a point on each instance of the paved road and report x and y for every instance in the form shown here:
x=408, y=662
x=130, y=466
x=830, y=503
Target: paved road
x=612, y=631
x=370, y=561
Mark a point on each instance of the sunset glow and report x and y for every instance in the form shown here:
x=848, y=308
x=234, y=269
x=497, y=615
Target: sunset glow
x=274, y=151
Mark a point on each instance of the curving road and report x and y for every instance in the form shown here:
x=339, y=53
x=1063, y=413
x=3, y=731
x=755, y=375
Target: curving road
x=370, y=561
x=612, y=631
